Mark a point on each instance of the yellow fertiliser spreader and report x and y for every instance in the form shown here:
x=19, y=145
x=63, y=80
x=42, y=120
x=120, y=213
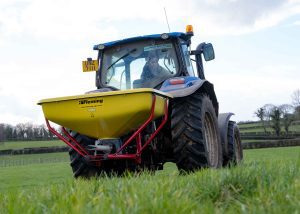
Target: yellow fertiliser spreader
x=150, y=107
x=106, y=115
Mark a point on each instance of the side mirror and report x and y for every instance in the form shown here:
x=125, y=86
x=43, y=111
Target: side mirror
x=208, y=52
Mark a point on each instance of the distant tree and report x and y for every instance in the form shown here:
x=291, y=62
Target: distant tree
x=21, y=131
x=15, y=133
x=261, y=114
x=29, y=130
x=2, y=133
x=296, y=98
x=8, y=131
x=297, y=113
x=296, y=103
x=275, y=116
x=268, y=111
x=44, y=132
x=287, y=116
x=36, y=132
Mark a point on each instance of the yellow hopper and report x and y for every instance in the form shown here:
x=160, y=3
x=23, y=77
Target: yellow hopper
x=105, y=114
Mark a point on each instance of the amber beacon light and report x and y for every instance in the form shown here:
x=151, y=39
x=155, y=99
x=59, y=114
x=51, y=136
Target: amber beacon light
x=189, y=29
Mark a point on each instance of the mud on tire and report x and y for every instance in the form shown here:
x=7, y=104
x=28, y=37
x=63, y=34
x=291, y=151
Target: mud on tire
x=195, y=134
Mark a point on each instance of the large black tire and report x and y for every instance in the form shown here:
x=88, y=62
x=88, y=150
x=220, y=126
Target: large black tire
x=235, y=150
x=80, y=166
x=195, y=133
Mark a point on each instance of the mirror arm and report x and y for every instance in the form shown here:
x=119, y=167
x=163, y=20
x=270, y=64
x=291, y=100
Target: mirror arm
x=98, y=74
x=199, y=62
x=196, y=52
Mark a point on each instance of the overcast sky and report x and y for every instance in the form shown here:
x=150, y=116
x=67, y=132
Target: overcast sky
x=42, y=44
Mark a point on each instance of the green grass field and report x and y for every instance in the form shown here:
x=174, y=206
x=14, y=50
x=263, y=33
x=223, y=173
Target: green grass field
x=29, y=144
x=268, y=181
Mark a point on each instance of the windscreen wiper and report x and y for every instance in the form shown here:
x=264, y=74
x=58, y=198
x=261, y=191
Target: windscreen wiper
x=125, y=55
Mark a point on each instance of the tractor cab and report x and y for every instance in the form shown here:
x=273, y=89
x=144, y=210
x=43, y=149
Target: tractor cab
x=148, y=61
x=139, y=64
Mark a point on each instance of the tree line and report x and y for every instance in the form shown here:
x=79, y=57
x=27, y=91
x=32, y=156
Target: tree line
x=24, y=131
x=280, y=116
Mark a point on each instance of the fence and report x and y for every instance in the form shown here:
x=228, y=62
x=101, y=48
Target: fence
x=22, y=162
x=39, y=150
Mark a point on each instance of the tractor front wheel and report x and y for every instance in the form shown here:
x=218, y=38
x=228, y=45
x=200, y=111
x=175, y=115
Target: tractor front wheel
x=80, y=166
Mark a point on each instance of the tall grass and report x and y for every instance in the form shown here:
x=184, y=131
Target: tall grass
x=252, y=188
x=259, y=185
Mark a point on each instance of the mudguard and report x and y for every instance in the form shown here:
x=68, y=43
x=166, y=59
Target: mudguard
x=223, y=121
x=185, y=85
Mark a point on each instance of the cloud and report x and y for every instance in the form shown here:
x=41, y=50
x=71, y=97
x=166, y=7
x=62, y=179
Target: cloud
x=14, y=111
x=244, y=91
x=230, y=17
x=93, y=19
x=296, y=23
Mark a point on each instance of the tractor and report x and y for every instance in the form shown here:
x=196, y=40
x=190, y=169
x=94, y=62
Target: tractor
x=152, y=105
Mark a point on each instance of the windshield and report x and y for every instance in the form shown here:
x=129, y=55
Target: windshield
x=143, y=64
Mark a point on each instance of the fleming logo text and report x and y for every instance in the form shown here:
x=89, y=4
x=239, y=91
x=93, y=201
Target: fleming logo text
x=82, y=102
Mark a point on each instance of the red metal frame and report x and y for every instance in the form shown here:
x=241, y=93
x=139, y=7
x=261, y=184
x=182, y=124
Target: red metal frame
x=70, y=141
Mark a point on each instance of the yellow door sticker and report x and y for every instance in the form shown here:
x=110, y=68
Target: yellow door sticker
x=90, y=65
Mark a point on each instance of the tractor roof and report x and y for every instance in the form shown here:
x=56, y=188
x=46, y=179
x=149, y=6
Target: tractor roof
x=183, y=36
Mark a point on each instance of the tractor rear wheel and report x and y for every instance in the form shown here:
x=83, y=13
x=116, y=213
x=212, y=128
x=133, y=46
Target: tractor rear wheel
x=195, y=133
x=235, y=150
x=81, y=167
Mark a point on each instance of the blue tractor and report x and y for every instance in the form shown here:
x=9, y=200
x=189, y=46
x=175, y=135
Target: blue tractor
x=192, y=133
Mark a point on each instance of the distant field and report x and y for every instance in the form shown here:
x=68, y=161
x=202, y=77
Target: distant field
x=252, y=141
x=18, y=160
x=258, y=130
x=26, y=171
x=295, y=128
x=272, y=155
x=29, y=144
x=250, y=125
x=267, y=182
x=258, y=127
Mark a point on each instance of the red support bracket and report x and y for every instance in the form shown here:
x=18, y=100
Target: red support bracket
x=76, y=147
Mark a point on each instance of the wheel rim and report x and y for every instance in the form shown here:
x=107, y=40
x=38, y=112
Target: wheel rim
x=211, y=140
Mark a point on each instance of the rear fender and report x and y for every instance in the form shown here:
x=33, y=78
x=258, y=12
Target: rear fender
x=189, y=86
x=223, y=121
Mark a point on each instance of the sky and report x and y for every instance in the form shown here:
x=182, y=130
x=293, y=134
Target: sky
x=43, y=42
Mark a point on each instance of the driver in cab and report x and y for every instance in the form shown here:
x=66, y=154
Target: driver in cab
x=152, y=70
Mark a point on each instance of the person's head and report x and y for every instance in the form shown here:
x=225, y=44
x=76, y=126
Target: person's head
x=153, y=60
